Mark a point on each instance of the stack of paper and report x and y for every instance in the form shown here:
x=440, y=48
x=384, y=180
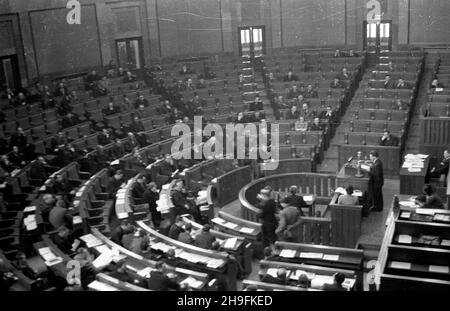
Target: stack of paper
x=145, y=273
x=102, y=248
x=77, y=220
x=405, y=215
x=91, y=240
x=103, y=260
x=101, y=287
x=193, y=283
x=319, y=280
x=218, y=220
x=215, y=263
x=311, y=255
x=29, y=209
x=30, y=222
x=230, y=225
x=424, y=211
x=439, y=269
x=288, y=253
x=349, y=283
x=246, y=230
x=308, y=198
x=445, y=242
x=272, y=272
x=331, y=257
x=400, y=265
x=48, y=256
x=407, y=204
x=414, y=162
x=230, y=243
x=404, y=239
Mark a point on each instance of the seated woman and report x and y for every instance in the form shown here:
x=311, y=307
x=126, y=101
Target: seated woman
x=348, y=199
x=301, y=125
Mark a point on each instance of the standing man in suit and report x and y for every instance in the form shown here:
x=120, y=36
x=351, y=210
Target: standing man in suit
x=443, y=167
x=267, y=217
x=376, y=182
x=205, y=239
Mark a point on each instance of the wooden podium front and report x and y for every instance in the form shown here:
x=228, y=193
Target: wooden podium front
x=346, y=177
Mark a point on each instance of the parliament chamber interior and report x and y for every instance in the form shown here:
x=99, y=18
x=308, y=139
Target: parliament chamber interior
x=336, y=177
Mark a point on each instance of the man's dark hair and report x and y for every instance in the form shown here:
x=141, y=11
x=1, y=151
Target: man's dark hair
x=206, y=228
x=421, y=199
x=374, y=153
x=428, y=189
x=339, y=278
x=349, y=190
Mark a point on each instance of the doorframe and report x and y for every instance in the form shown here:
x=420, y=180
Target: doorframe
x=141, y=49
x=263, y=34
x=15, y=67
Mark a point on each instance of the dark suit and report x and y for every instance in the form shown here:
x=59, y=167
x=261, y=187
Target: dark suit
x=270, y=279
x=390, y=141
x=297, y=201
x=70, y=121
x=175, y=231
x=434, y=201
x=443, y=167
x=376, y=182
x=138, y=191
x=150, y=198
x=333, y=287
x=205, y=240
x=288, y=78
x=389, y=84
x=268, y=220
x=103, y=139
x=160, y=282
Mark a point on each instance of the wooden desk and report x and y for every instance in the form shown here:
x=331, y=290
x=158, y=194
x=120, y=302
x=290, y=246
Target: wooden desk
x=412, y=182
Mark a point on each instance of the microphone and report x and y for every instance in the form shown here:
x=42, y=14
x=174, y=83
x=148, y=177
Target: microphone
x=350, y=159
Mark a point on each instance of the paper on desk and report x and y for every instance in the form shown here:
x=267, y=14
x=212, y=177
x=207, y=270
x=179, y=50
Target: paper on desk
x=308, y=197
x=145, y=273
x=230, y=243
x=29, y=209
x=348, y=283
x=440, y=269
x=311, y=255
x=405, y=215
x=193, y=283
x=288, y=253
x=414, y=170
x=404, y=238
x=166, y=187
x=331, y=257
x=214, y=263
x=102, y=287
x=246, y=230
x=272, y=272
x=218, y=220
x=103, y=259
x=340, y=190
x=102, y=248
x=407, y=203
x=365, y=167
x=357, y=193
x=445, y=242
x=319, y=280
x=400, y=265
x=53, y=261
x=115, y=162
x=424, y=211
x=77, y=220
x=230, y=225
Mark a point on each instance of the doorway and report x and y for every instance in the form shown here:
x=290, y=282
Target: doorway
x=129, y=53
x=9, y=72
x=252, y=41
x=378, y=37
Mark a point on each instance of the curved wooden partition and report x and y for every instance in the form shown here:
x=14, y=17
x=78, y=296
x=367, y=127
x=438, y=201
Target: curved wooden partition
x=225, y=188
x=288, y=166
x=320, y=185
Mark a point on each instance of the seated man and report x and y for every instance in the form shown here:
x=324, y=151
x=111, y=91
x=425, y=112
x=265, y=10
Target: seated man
x=139, y=187
x=111, y=108
x=115, y=183
x=432, y=198
x=118, y=233
x=352, y=53
x=329, y=114
x=336, y=84
x=69, y=120
x=435, y=84
x=176, y=228
x=307, y=113
x=185, y=70
x=388, y=83
x=338, y=53
x=202, y=84
x=388, y=139
x=293, y=92
x=180, y=200
x=293, y=113
x=159, y=281
x=129, y=77
x=105, y=137
x=296, y=200
x=290, y=77
x=280, y=279
x=185, y=236
x=301, y=125
x=205, y=239
x=40, y=170
x=401, y=84
x=167, y=167
x=339, y=278
x=345, y=76
x=257, y=104
x=348, y=198
x=401, y=105
x=63, y=240
x=310, y=92
x=141, y=101
x=443, y=167
x=59, y=215
x=316, y=125
x=59, y=141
